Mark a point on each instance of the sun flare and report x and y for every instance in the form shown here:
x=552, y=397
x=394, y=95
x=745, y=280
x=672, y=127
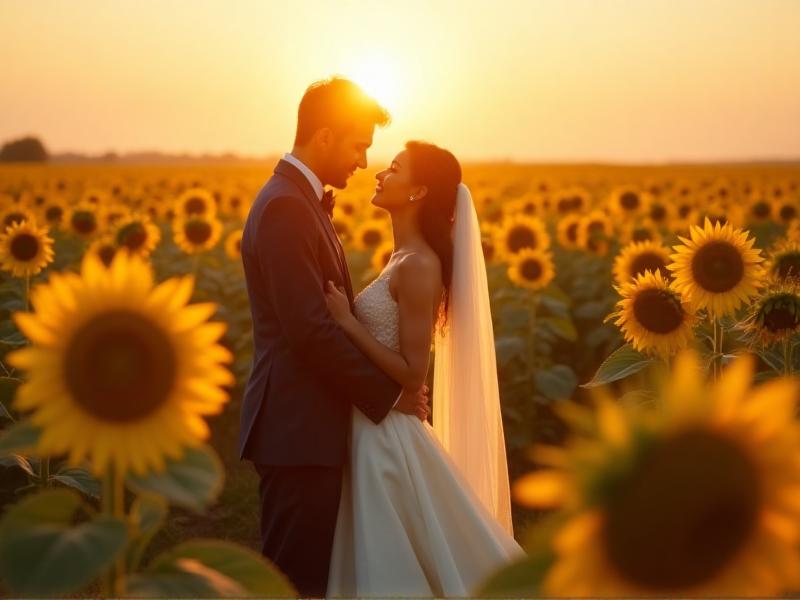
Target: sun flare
x=381, y=78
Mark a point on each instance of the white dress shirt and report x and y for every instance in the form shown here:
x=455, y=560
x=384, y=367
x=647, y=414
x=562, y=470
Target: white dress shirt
x=318, y=188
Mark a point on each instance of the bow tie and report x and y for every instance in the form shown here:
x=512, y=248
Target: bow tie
x=328, y=201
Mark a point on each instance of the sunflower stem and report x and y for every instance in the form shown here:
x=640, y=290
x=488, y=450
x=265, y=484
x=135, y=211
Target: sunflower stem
x=113, y=504
x=28, y=293
x=195, y=266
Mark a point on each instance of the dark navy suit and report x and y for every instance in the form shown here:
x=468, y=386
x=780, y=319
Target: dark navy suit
x=305, y=378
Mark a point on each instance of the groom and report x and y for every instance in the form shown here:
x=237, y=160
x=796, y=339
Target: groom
x=306, y=374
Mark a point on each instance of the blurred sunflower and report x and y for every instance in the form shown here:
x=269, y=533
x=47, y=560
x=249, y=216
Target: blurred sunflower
x=381, y=256
x=786, y=211
x=120, y=371
x=370, y=234
x=653, y=318
x=595, y=232
x=53, y=212
x=700, y=498
x=567, y=231
x=759, y=210
x=775, y=315
x=138, y=234
x=196, y=234
x=637, y=257
x=784, y=260
x=571, y=200
x=25, y=249
x=105, y=248
x=628, y=201
x=112, y=213
x=640, y=230
x=94, y=196
x=660, y=212
x=717, y=269
x=346, y=207
x=233, y=205
x=233, y=244
x=531, y=269
x=519, y=232
x=488, y=242
x=343, y=226
x=15, y=214
x=195, y=202
x=83, y=221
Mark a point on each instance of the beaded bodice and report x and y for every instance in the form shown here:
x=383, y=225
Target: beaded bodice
x=377, y=310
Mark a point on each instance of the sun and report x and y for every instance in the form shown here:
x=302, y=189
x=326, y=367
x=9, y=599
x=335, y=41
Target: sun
x=381, y=78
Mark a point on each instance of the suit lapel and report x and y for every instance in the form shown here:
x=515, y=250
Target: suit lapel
x=289, y=170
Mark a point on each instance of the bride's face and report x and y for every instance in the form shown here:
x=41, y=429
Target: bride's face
x=394, y=187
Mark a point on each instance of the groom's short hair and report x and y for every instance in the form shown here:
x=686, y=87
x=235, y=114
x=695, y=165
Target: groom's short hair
x=337, y=103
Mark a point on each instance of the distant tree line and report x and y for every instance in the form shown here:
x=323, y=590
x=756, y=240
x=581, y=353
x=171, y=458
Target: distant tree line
x=27, y=149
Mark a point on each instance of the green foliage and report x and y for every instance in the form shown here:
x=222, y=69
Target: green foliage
x=623, y=362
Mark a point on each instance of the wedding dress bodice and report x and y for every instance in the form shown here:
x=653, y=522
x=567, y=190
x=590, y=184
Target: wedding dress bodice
x=378, y=312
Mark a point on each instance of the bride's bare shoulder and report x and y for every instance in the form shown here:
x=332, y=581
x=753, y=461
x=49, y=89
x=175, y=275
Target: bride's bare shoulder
x=420, y=264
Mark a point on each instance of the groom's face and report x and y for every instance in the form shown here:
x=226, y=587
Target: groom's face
x=348, y=153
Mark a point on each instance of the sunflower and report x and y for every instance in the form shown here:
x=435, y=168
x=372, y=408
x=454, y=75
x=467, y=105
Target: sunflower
x=233, y=244
x=784, y=260
x=370, y=234
x=717, y=269
x=594, y=232
x=120, y=371
x=381, y=256
x=95, y=197
x=567, y=231
x=196, y=234
x=25, y=249
x=697, y=499
x=571, y=200
x=775, y=315
x=488, y=241
x=53, y=212
x=138, y=234
x=105, y=248
x=345, y=207
x=786, y=211
x=343, y=226
x=519, y=232
x=641, y=230
x=14, y=214
x=195, y=202
x=626, y=201
x=234, y=205
x=531, y=269
x=112, y=214
x=654, y=318
x=83, y=220
x=660, y=212
x=759, y=210
x=637, y=257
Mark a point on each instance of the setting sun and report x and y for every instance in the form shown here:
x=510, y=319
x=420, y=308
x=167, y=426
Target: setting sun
x=380, y=77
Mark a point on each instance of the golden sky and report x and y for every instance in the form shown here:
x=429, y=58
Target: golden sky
x=634, y=81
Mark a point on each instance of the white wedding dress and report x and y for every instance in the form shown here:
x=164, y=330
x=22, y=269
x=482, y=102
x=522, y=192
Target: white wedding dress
x=409, y=524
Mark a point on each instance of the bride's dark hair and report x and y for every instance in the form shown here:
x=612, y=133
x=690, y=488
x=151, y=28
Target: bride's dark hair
x=439, y=171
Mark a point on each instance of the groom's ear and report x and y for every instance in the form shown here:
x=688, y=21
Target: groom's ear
x=324, y=138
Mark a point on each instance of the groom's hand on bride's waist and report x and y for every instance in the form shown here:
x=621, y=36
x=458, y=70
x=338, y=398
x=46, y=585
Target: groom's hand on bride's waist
x=414, y=403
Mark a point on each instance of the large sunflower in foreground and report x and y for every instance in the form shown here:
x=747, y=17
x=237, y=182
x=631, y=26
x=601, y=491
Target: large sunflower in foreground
x=25, y=249
x=717, y=268
x=700, y=498
x=634, y=259
x=120, y=370
x=653, y=317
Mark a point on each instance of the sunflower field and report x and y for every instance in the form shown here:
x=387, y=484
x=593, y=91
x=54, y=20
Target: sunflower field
x=646, y=322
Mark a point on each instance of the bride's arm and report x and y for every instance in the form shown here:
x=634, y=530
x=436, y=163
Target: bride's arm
x=418, y=293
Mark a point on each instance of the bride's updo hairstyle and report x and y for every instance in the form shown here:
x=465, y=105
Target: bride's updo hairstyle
x=439, y=171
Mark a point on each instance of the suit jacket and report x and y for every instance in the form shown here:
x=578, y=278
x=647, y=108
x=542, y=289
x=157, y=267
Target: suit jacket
x=306, y=374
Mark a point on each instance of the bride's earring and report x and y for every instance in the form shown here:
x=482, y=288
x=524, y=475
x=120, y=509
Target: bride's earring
x=411, y=198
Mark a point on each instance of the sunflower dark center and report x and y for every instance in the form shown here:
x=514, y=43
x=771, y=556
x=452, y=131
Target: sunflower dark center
x=684, y=210
x=629, y=201
x=106, y=254
x=658, y=311
x=572, y=232
x=371, y=237
x=647, y=260
x=84, y=222
x=717, y=267
x=761, y=209
x=197, y=231
x=12, y=219
x=488, y=249
x=788, y=265
x=54, y=213
x=521, y=237
x=671, y=526
x=781, y=313
x=24, y=246
x=788, y=212
x=195, y=206
x=658, y=212
x=564, y=205
x=642, y=234
x=531, y=270
x=120, y=366
x=132, y=235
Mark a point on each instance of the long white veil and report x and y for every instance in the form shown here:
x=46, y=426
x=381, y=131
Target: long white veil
x=466, y=398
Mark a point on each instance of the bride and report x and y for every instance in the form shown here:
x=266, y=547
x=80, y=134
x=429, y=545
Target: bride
x=425, y=510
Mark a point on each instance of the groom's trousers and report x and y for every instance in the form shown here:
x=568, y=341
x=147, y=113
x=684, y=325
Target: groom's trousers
x=299, y=506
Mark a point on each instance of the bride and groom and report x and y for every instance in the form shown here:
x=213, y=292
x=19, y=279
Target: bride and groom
x=360, y=495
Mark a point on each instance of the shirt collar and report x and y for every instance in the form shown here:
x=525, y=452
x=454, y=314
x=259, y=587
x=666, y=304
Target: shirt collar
x=316, y=184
